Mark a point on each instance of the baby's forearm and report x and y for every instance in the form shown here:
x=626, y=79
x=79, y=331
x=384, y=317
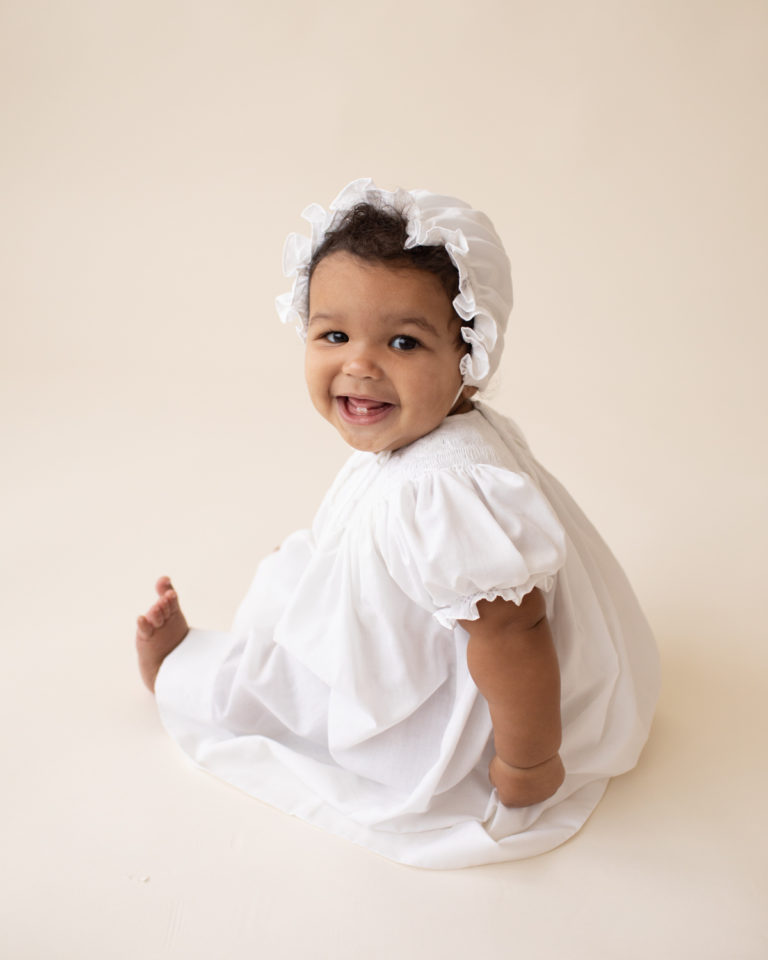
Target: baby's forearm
x=512, y=659
x=518, y=674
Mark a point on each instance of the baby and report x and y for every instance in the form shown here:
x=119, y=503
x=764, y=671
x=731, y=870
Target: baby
x=450, y=664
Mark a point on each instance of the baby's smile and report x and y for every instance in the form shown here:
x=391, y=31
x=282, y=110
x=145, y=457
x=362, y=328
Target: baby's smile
x=363, y=410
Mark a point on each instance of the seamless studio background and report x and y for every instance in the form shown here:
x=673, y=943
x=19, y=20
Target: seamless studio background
x=154, y=155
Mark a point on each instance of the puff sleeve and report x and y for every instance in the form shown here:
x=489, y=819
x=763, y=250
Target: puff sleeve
x=456, y=536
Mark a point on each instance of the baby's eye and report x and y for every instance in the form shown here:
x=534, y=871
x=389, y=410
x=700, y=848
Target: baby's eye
x=402, y=342
x=335, y=336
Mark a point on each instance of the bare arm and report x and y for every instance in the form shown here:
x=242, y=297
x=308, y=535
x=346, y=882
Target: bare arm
x=512, y=659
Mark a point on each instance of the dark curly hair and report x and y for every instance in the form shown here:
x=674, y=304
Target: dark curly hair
x=378, y=234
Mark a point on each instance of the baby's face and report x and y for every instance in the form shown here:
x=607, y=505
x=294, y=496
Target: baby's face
x=382, y=358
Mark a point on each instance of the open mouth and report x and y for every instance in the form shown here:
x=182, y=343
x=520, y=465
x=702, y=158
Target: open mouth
x=362, y=410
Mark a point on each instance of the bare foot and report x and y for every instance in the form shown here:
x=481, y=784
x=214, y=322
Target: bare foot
x=158, y=632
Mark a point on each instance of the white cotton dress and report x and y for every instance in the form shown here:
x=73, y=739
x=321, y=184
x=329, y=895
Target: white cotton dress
x=342, y=695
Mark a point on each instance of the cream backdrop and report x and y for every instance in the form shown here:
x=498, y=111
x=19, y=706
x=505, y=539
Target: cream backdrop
x=153, y=156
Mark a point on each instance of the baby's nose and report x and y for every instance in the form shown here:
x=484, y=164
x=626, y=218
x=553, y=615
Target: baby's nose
x=362, y=363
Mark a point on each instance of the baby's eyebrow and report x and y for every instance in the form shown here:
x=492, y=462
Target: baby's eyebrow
x=421, y=322
x=320, y=316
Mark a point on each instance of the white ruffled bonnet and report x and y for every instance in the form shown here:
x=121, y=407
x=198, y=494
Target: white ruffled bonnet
x=485, y=279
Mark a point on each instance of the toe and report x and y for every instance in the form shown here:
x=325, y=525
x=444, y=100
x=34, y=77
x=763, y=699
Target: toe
x=163, y=585
x=155, y=616
x=144, y=628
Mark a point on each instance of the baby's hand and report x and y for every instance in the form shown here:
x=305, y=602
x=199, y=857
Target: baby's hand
x=524, y=786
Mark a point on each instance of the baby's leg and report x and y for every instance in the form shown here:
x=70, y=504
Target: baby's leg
x=161, y=630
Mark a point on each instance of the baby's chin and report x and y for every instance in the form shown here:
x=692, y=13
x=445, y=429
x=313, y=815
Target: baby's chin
x=368, y=447
x=379, y=444
x=372, y=444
